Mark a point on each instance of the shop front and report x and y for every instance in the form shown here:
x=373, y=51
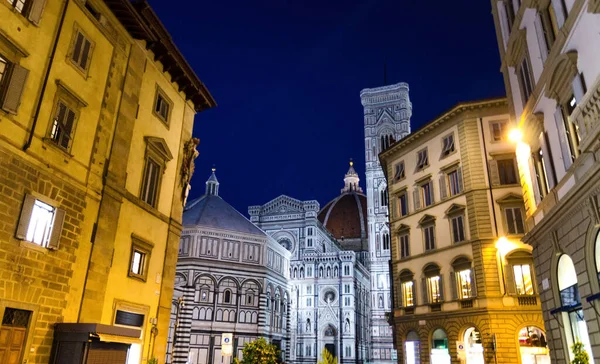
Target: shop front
x=440, y=353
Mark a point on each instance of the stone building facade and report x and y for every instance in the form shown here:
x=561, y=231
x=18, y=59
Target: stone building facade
x=231, y=278
x=463, y=283
x=77, y=170
x=551, y=68
x=387, y=112
x=329, y=305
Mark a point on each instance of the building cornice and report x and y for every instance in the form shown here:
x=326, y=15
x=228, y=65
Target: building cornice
x=448, y=116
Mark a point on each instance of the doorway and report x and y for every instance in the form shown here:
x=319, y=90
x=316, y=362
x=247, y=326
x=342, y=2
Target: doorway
x=13, y=334
x=473, y=346
x=331, y=349
x=439, y=347
x=412, y=348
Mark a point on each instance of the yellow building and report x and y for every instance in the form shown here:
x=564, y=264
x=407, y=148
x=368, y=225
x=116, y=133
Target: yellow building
x=96, y=114
x=463, y=284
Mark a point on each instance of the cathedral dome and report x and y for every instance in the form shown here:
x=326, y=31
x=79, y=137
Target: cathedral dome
x=345, y=217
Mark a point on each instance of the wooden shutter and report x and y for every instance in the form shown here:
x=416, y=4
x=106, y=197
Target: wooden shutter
x=400, y=288
x=57, y=226
x=26, y=211
x=414, y=292
x=442, y=288
x=424, y=292
x=511, y=288
x=473, y=283
x=562, y=137
x=578, y=88
x=14, y=89
x=535, y=187
x=461, y=186
x=417, y=198
x=547, y=160
x=443, y=191
x=431, y=192
x=558, y=10
x=539, y=30
x=494, y=175
x=453, y=286
x=36, y=10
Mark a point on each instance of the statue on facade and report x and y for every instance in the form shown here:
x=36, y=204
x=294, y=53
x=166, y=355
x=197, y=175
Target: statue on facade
x=187, y=167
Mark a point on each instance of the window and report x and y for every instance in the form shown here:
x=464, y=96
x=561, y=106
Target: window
x=308, y=302
x=514, y=220
x=422, y=160
x=140, y=257
x=348, y=351
x=399, y=171
x=408, y=295
x=458, y=228
x=383, y=197
x=162, y=106
x=451, y=183
x=157, y=155
x=433, y=289
x=465, y=286
x=541, y=176
x=308, y=350
x=308, y=289
x=346, y=288
x=227, y=296
x=386, y=241
x=403, y=204
x=309, y=271
x=507, y=171
x=184, y=245
x=309, y=231
x=523, y=279
x=510, y=14
x=525, y=79
x=429, y=237
x=12, y=84
x=570, y=128
x=447, y=145
x=499, y=132
x=404, y=245
x=40, y=223
x=151, y=182
x=62, y=125
x=549, y=27
x=346, y=270
x=426, y=193
x=346, y=301
x=81, y=51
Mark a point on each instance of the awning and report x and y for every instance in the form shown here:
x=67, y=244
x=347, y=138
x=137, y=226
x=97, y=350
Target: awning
x=593, y=297
x=118, y=339
x=565, y=308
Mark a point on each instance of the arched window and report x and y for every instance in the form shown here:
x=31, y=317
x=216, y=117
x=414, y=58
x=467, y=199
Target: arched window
x=227, y=296
x=335, y=271
x=412, y=347
x=321, y=272
x=383, y=198
x=574, y=322
x=439, y=347
x=328, y=272
x=533, y=345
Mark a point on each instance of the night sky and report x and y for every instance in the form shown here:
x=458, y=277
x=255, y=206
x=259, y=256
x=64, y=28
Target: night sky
x=286, y=75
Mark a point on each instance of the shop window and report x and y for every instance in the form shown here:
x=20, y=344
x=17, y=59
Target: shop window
x=440, y=353
x=574, y=324
x=533, y=346
x=412, y=348
x=473, y=346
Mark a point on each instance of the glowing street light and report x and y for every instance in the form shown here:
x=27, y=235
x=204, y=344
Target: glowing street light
x=515, y=135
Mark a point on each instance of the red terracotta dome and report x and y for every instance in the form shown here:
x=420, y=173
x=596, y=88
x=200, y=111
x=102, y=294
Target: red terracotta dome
x=345, y=217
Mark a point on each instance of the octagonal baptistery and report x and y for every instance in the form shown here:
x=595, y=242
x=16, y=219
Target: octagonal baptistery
x=345, y=217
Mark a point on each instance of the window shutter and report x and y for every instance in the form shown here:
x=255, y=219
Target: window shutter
x=443, y=192
x=473, y=283
x=400, y=289
x=442, y=298
x=461, y=186
x=494, y=175
x=394, y=209
x=511, y=288
x=14, y=89
x=431, y=192
x=578, y=90
x=558, y=10
x=26, y=211
x=562, y=137
x=414, y=292
x=417, y=198
x=36, y=10
x=535, y=187
x=57, y=226
x=424, y=291
x=547, y=162
x=539, y=30
x=453, y=286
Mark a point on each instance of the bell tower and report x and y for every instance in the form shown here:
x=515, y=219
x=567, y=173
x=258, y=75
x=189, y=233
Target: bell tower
x=387, y=112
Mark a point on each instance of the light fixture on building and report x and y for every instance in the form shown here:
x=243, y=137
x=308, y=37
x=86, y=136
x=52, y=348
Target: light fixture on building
x=515, y=135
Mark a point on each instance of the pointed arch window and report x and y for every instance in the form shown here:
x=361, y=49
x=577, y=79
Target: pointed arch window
x=227, y=296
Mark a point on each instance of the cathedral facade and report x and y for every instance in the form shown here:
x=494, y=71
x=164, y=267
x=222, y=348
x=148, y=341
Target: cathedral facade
x=387, y=112
x=329, y=280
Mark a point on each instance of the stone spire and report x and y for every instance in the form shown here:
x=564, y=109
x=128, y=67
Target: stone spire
x=212, y=184
x=351, y=180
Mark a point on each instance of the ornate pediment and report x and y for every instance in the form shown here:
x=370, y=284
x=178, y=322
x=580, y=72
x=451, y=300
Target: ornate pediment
x=160, y=147
x=510, y=198
x=385, y=116
x=282, y=205
x=427, y=219
x=455, y=209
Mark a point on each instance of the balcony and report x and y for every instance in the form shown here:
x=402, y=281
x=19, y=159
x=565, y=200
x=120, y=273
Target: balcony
x=587, y=118
x=527, y=300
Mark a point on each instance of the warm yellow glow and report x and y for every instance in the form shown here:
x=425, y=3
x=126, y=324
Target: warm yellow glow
x=505, y=246
x=515, y=135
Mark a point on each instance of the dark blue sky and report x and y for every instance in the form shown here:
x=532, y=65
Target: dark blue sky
x=287, y=74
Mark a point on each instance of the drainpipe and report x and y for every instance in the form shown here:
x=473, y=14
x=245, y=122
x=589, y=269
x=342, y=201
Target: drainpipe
x=46, y=76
